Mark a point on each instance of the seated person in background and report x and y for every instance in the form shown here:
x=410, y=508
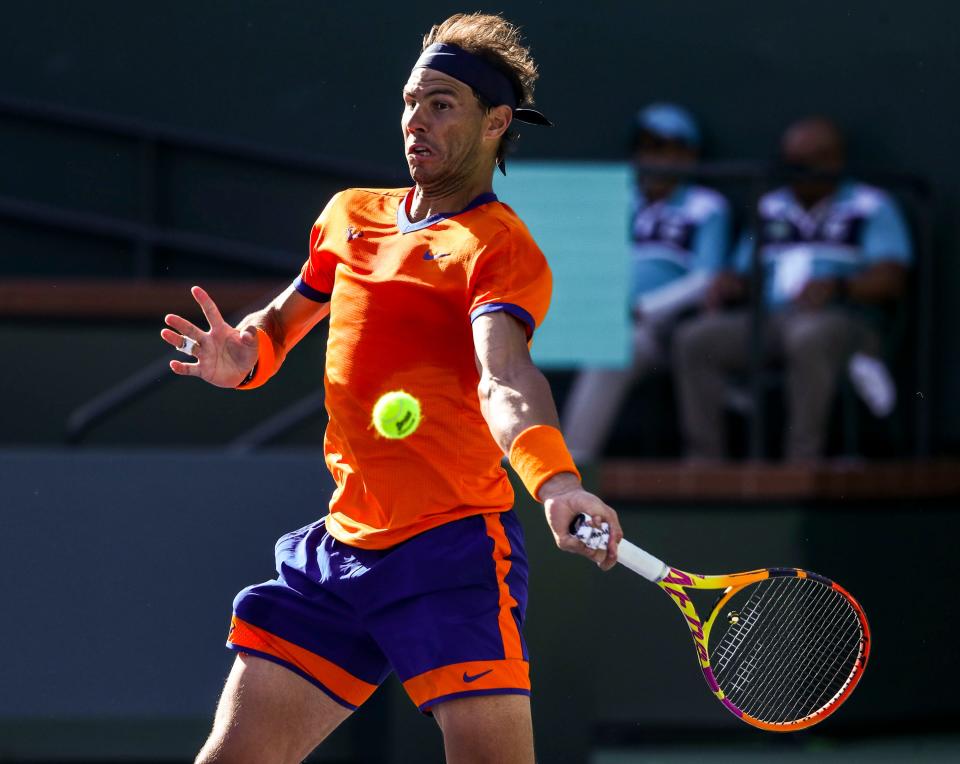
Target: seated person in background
x=830, y=247
x=680, y=234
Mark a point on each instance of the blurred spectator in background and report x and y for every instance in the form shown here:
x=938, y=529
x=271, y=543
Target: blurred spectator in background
x=680, y=234
x=830, y=248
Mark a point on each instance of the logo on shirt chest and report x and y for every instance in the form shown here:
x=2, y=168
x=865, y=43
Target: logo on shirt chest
x=438, y=257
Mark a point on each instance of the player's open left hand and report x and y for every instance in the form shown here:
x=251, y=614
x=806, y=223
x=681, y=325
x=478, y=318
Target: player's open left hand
x=225, y=355
x=563, y=499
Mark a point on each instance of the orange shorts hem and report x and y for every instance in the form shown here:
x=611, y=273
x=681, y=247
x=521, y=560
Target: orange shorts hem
x=336, y=682
x=469, y=678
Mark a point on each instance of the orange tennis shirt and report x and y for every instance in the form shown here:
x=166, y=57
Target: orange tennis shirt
x=402, y=299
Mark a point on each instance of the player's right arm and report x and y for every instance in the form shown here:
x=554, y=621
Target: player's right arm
x=226, y=354
x=251, y=352
x=515, y=399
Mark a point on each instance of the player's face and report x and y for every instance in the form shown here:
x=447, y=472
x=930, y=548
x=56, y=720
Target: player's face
x=443, y=128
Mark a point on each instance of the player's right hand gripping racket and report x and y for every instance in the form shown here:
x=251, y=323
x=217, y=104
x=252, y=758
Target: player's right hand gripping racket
x=782, y=648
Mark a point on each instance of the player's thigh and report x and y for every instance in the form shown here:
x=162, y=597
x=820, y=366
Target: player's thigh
x=269, y=715
x=486, y=729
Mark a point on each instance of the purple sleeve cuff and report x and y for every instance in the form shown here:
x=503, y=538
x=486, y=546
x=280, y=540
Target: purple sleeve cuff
x=309, y=292
x=514, y=310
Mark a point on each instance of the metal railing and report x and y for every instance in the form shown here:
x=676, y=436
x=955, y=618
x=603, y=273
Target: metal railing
x=144, y=234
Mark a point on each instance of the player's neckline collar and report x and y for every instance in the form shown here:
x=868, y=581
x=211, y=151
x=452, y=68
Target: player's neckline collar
x=405, y=225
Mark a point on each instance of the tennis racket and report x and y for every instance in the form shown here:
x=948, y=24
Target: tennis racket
x=782, y=648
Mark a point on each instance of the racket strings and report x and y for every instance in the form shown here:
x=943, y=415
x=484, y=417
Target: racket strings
x=835, y=661
x=762, y=600
x=791, y=657
x=792, y=651
x=773, y=640
x=788, y=677
x=783, y=670
x=761, y=644
x=749, y=615
x=841, y=660
x=797, y=675
x=831, y=660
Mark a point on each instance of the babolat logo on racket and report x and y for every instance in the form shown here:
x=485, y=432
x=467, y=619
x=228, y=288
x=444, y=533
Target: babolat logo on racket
x=684, y=602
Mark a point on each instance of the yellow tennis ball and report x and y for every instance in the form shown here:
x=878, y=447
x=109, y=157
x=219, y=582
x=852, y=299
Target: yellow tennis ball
x=396, y=415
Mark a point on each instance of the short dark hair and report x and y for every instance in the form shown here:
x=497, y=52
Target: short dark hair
x=498, y=41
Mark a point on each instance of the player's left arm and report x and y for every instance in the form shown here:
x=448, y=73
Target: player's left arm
x=514, y=397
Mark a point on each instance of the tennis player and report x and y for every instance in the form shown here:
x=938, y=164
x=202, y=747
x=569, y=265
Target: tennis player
x=419, y=567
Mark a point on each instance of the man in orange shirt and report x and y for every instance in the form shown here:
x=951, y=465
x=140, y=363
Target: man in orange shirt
x=419, y=566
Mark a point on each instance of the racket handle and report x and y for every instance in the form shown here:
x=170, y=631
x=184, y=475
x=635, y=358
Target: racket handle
x=640, y=562
x=629, y=555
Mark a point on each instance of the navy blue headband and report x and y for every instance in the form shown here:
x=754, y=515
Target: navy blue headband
x=492, y=85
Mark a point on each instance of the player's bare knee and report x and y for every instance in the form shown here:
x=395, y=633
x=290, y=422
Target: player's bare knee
x=217, y=751
x=226, y=745
x=229, y=755
x=226, y=748
x=487, y=728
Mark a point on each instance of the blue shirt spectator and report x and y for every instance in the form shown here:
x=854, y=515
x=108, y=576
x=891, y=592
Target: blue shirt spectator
x=842, y=235
x=678, y=243
x=680, y=235
x=831, y=251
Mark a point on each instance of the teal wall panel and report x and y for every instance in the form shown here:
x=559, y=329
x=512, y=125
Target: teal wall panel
x=577, y=212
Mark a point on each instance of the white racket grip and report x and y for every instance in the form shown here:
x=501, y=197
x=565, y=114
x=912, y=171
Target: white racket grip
x=629, y=555
x=642, y=563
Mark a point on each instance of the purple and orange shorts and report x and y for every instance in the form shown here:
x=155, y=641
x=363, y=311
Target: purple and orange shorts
x=443, y=610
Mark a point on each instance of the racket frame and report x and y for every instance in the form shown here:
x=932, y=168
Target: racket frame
x=674, y=583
